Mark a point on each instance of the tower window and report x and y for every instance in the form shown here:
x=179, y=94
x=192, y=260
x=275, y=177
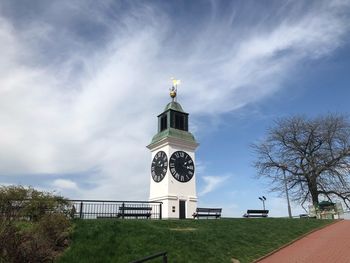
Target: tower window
x=163, y=123
x=179, y=122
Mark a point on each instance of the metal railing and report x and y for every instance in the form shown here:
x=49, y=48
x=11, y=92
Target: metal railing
x=158, y=255
x=30, y=209
x=93, y=209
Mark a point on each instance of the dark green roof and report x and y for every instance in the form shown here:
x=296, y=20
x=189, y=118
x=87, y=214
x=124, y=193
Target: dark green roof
x=172, y=132
x=174, y=106
x=175, y=133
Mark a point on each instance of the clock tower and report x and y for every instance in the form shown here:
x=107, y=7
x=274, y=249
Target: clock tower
x=173, y=179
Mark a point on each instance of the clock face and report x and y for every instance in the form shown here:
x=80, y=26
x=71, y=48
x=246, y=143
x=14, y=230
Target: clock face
x=181, y=166
x=159, y=166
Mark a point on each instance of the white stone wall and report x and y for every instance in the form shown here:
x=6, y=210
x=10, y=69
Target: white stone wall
x=169, y=190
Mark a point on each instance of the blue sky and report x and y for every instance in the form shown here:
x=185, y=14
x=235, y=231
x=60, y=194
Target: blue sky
x=81, y=84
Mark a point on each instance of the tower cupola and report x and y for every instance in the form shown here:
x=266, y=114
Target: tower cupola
x=173, y=121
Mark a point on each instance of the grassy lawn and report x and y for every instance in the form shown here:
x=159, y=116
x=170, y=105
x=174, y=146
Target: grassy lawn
x=184, y=240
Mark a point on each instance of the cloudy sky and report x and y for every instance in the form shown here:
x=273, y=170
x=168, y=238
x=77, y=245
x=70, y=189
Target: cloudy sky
x=81, y=84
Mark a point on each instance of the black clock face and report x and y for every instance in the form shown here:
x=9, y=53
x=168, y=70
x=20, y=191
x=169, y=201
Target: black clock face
x=181, y=166
x=159, y=166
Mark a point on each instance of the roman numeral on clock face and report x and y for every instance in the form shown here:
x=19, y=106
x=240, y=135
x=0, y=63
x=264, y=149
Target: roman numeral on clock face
x=159, y=166
x=181, y=166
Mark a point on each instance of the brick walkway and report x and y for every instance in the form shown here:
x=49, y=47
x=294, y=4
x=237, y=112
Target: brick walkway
x=328, y=245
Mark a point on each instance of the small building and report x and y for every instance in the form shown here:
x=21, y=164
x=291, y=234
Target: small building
x=326, y=210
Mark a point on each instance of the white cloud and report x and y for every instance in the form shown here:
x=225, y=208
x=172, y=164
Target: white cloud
x=212, y=183
x=69, y=106
x=64, y=184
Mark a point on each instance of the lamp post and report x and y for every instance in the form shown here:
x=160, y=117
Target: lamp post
x=263, y=199
x=284, y=168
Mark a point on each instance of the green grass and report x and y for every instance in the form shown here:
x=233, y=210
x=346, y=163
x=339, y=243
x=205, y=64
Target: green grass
x=185, y=240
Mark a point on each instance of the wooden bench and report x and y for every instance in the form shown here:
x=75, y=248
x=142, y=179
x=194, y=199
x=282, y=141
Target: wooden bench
x=134, y=211
x=207, y=212
x=307, y=216
x=256, y=213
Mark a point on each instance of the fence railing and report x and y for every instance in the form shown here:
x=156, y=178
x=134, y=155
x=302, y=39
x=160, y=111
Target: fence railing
x=93, y=209
x=163, y=255
x=30, y=209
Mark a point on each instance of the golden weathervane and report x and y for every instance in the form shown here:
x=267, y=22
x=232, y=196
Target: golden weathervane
x=173, y=89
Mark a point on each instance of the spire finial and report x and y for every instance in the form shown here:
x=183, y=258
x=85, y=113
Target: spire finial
x=173, y=89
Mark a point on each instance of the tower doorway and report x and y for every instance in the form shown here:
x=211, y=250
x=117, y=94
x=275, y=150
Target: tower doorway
x=182, y=209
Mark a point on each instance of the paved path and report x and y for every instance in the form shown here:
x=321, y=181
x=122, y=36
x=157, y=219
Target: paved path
x=328, y=245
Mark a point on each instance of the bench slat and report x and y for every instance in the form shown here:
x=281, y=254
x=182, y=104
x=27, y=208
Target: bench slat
x=136, y=208
x=135, y=214
x=257, y=211
x=206, y=215
x=213, y=210
x=261, y=215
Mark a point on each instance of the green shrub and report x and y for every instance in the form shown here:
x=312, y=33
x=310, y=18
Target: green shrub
x=18, y=202
x=34, y=225
x=9, y=239
x=56, y=229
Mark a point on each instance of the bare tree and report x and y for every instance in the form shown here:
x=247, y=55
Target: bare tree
x=314, y=154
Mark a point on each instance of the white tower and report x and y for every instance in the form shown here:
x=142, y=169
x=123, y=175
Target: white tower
x=173, y=179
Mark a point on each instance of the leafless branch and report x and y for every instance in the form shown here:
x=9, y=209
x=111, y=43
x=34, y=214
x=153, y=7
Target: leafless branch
x=314, y=154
